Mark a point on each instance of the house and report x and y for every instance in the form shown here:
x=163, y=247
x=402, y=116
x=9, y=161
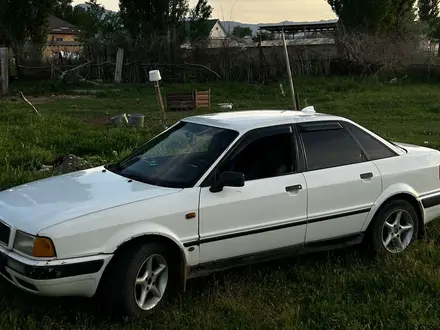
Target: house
x=212, y=31
x=216, y=29
x=62, y=38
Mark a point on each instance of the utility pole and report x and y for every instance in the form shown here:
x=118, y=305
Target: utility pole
x=289, y=73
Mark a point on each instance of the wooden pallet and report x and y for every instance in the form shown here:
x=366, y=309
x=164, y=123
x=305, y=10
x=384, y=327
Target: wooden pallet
x=203, y=99
x=188, y=100
x=181, y=101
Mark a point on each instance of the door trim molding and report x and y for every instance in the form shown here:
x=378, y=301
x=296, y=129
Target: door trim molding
x=273, y=228
x=339, y=215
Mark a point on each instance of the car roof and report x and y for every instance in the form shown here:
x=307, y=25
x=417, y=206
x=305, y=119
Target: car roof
x=246, y=120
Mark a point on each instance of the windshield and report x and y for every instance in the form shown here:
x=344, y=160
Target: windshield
x=177, y=158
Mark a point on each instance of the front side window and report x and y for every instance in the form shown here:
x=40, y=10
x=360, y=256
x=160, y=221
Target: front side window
x=263, y=157
x=374, y=148
x=178, y=158
x=326, y=148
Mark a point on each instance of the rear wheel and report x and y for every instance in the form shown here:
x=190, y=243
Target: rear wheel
x=139, y=280
x=395, y=227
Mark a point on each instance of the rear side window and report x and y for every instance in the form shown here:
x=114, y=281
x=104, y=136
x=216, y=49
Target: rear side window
x=326, y=148
x=374, y=148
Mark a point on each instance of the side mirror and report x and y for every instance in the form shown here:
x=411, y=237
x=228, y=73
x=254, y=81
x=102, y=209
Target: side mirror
x=228, y=179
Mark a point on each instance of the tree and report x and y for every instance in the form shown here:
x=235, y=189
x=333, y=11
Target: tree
x=375, y=17
x=92, y=20
x=63, y=9
x=146, y=19
x=198, y=29
x=428, y=10
x=202, y=10
x=100, y=29
x=76, y=15
x=429, y=14
x=79, y=16
x=262, y=36
x=241, y=32
x=24, y=20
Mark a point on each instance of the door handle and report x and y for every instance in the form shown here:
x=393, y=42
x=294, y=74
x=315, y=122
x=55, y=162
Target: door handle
x=294, y=188
x=365, y=176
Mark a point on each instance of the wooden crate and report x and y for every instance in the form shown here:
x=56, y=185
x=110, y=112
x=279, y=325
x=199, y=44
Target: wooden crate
x=189, y=100
x=181, y=101
x=203, y=99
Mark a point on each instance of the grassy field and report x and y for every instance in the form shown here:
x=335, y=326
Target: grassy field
x=339, y=290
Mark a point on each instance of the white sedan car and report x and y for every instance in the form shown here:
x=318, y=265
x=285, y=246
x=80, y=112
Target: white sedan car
x=213, y=192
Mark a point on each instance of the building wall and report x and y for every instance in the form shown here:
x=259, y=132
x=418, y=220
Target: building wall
x=60, y=37
x=217, y=32
x=54, y=44
x=51, y=50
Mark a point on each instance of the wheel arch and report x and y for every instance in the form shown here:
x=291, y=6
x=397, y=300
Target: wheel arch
x=408, y=196
x=177, y=256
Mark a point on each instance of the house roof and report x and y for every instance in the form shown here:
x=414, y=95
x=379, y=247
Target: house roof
x=301, y=26
x=209, y=25
x=59, y=26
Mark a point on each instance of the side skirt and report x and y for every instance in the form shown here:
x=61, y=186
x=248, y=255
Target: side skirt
x=271, y=255
x=432, y=201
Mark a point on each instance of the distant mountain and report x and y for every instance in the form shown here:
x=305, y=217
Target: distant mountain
x=86, y=7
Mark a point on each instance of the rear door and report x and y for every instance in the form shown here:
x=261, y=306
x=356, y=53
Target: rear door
x=342, y=183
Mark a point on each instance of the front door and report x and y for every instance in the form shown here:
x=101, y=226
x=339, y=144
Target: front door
x=268, y=213
x=342, y=184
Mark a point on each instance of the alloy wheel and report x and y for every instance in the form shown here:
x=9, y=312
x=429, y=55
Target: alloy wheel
x=151, y=282
x=397, y=231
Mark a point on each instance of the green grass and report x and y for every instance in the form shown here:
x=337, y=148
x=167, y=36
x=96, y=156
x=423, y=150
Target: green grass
x=338, y=290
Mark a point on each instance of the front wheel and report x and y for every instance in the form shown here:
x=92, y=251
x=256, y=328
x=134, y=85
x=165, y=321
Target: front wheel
x=139, y=280
x=395, y=227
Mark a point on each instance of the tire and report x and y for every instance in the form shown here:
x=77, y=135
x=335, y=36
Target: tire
x=389, y=228
x=120, y=292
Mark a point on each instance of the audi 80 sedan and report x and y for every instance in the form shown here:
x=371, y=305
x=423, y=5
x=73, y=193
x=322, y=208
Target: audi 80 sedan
x=210, y=193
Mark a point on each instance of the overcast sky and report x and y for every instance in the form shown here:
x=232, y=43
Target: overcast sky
x=259, y=11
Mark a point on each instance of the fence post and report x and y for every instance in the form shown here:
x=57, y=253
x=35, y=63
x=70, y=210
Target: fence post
x=52, y=71
x=4, y=71
x=119, y=63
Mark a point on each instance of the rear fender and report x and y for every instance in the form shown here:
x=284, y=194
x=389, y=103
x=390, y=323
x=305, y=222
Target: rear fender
x=390, y=192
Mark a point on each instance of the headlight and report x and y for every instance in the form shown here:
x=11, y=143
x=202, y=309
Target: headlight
x=36, y=246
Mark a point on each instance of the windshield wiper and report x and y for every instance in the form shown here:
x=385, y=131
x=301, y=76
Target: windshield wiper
x=113, y=167
x=135, y=177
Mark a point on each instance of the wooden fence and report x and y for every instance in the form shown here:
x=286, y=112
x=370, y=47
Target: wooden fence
x=252, y=64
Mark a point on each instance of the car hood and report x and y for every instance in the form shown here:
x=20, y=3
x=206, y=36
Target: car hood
x=40, y=204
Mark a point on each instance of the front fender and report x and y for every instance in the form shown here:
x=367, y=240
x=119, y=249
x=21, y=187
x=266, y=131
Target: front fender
x=131, y=232
x=391, y=191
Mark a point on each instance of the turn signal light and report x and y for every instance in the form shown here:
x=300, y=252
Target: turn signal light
x=43, y=248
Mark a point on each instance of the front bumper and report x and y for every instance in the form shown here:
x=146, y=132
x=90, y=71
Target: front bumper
x=68, y=277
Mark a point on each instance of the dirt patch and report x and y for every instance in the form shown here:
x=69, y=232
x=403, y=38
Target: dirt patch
x=66, y=164
x=96, y=91
x=98, y=121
